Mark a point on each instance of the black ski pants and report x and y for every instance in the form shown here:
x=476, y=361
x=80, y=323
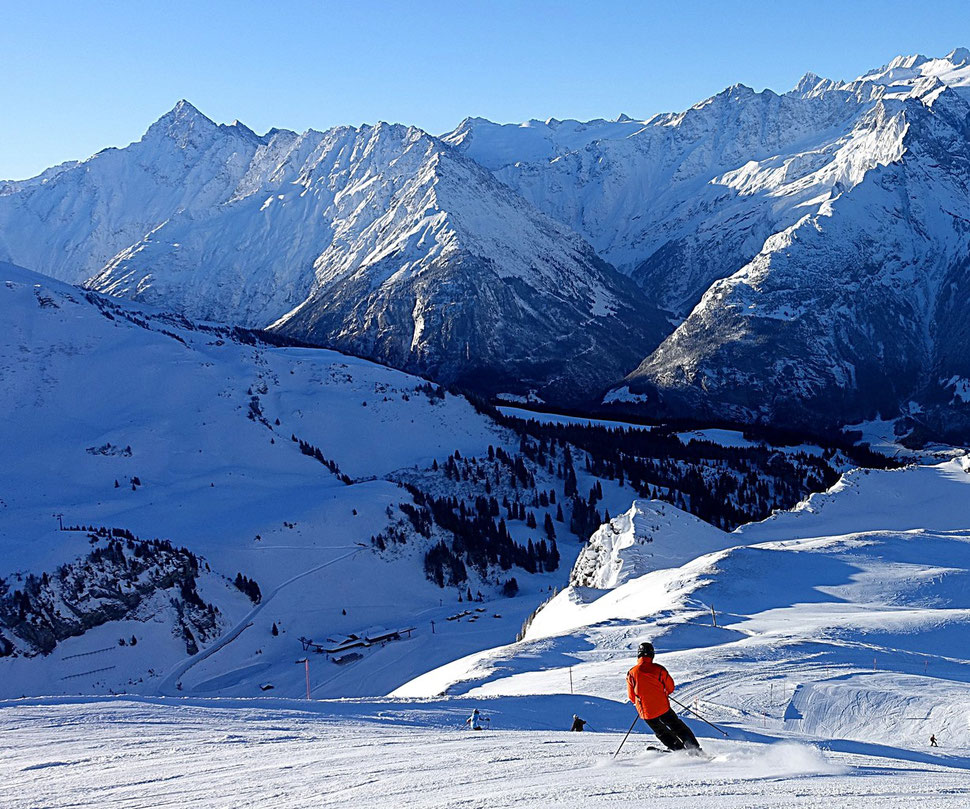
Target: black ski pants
x=672, y=731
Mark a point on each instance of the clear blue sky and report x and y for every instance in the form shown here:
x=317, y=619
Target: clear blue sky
x=79, y=76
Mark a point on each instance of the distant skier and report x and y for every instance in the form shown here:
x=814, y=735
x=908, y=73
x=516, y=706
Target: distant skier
x=648, y=685
x=578, y=724
x=933, y=740
x=474, y=721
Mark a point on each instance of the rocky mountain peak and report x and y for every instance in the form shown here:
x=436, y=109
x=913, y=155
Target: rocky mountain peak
x=180, y=122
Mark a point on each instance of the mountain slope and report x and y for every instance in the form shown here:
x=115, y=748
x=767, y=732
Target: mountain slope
x=139, y=421
x=856, y=309
x=830, y=622
x=380, y=240
x=496, y=146
x=72, y=219
x=668, y=202
x=453, y=275
x=811, y=247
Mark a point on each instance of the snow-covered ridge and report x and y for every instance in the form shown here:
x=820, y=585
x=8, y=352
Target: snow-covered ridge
x=498, y=145
x=627, y=188
x=904, y=73
x=650, y=536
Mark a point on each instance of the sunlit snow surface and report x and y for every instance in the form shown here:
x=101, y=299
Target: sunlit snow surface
x=133, y=754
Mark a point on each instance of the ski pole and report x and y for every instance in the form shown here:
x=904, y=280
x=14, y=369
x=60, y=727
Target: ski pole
x=681, y=704
x=618, y=749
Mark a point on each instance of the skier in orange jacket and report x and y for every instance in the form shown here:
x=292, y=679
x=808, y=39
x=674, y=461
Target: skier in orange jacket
x=647, y=686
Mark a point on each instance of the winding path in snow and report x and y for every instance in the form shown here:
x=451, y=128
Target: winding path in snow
x=169, y=686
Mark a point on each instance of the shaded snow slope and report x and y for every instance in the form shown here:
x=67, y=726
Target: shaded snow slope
x=99, y=394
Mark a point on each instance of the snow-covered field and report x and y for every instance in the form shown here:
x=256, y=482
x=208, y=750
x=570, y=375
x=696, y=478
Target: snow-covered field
x=557, y=418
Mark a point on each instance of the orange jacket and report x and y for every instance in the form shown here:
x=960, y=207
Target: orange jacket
x=647, y=686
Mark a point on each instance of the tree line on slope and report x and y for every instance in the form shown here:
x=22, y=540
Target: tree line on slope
x=726, y=486
x=723, y=485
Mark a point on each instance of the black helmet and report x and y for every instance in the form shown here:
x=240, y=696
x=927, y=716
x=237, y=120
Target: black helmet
x=645, y=650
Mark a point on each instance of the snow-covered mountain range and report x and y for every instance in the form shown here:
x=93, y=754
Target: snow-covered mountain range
x=810, y=247
x=799, y=258
x=381, y=240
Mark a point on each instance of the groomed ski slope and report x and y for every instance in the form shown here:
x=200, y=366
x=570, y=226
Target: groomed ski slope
x=832, y=626
x=223, y=755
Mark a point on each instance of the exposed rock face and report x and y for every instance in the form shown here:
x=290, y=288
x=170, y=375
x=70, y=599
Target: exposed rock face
x=111, y=583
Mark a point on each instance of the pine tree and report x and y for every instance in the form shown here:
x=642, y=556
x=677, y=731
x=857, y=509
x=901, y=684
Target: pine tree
x=553, y=561
x=570, y=485
x=549, y=527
